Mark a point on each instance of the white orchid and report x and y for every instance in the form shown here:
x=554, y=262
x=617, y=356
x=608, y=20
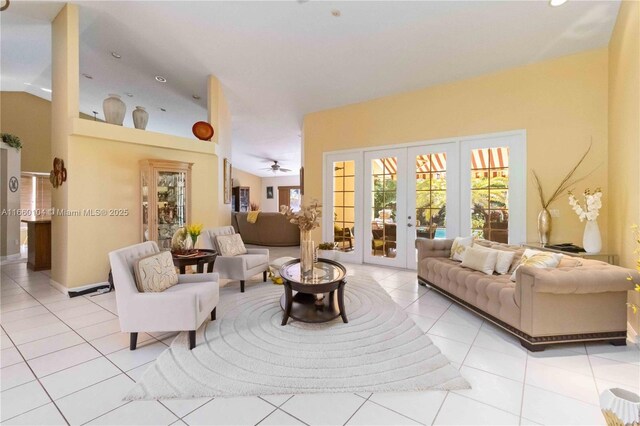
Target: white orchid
x=592, y=204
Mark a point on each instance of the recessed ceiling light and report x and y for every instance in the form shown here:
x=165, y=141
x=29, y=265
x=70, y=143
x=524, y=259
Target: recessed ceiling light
x=162, y=109
x=196, y=97
x=161, y=79
x=337, y=13
x=129, y=95
x=28, y=84
x=46, y=90
x=116, y=55
x=85, y=75
x=556, y=3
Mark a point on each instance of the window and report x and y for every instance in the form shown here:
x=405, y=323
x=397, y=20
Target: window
x=384, y=206
x=431, y=195
x=294, y=199
x=344, y=204
x=490, y=193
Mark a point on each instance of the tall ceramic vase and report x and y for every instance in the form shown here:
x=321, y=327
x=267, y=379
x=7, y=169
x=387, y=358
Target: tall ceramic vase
x=114, y=110
x=307, y=252
x=140, y=118
x=544, y=226
x=591, y=239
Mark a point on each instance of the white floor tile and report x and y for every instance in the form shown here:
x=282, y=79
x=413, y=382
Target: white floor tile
x=182, y=407
x=602, y=385
x=500, y=341
x=560, y=357
x=460, y=333
x=608, y=369
x=231, y=411
x=373, y=414
x=276, y=400
x=547, y=407
x=92, y=402
x=431, y=311
x=425, y=323
x=31, y=322
x=73, y=379
x=127, y=359
x=9, y=357
x=69, y=303
x=15, y=375
x=137, y=373
x=496, y=363
x=629, y=353
x=453, y=350
x=565, y=382
x=16, y=306
x=117, y=341
x=21, y=399
x=5, y=342
x=65, y=358
x=280, y=418
x=22, y=313
x=421, y=407
x=497, y=391
x=459, y=410
x=100, y=330
x=312, y=409
x=43, y=416
x=90, y=319
x=38, y=333
x=50, y=344
x=137, y=413
x=462, y=316
x=87, y=308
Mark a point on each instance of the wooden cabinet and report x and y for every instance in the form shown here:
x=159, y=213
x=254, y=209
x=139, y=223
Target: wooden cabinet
x=166, y=199
x=240, y=199
x=39, y=244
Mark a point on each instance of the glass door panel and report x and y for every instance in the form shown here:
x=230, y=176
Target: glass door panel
x=172, y=205
x=344, y=205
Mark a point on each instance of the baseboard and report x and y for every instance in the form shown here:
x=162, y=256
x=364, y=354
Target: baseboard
x=66, y=290
x=11, y=256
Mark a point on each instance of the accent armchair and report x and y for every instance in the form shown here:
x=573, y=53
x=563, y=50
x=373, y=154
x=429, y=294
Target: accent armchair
x=184, y=306
x=240, y=267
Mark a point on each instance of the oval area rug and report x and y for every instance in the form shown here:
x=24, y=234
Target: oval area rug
x=247, y=352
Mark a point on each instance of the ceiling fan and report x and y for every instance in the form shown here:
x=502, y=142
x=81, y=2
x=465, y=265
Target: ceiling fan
x=275, y=167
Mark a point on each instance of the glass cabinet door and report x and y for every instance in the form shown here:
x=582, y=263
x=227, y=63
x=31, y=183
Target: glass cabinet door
x=171, y=205
x=145, y=205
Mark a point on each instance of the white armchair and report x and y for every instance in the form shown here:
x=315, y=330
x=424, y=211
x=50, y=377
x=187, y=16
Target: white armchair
x=184, y=306
x=240, y=267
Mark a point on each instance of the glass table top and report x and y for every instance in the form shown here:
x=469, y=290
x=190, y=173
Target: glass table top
x=323, y=273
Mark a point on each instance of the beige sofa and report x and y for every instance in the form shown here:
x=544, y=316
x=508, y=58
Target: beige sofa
x=580, y=300
x=271, y=229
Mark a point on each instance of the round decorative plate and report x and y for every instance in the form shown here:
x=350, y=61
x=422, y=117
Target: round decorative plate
x=202, y=130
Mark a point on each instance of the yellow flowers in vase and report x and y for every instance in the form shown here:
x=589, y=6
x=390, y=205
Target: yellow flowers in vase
x=194, y=231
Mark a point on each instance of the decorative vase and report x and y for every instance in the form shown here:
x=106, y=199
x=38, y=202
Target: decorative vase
x=544, y=226
x=620, y=407
x=114, y=110
x=327, y=254
x=140, y=118
x=591, y=240
x=307, y=253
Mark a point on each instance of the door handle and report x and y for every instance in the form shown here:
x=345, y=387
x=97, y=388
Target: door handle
x=409, y=225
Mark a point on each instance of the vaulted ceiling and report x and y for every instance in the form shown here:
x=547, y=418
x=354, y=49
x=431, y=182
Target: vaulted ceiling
x=280, y=60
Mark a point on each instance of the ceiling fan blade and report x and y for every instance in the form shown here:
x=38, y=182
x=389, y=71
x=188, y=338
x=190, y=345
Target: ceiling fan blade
x=284, y=170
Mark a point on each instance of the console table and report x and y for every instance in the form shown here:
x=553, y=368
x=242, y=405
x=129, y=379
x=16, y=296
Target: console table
x=610, y=258
x=38, y=244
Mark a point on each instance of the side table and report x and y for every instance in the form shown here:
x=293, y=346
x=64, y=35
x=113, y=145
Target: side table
x=202, y=257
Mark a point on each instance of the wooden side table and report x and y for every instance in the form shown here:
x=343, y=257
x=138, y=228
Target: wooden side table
x=204, y=257
x=39, y=244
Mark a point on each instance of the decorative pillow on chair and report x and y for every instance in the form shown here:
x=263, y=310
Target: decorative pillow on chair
x=538, y=259
x=505, y=258
x=230, y=245
x=155, y=273
x=482, y=260
x=460, y=244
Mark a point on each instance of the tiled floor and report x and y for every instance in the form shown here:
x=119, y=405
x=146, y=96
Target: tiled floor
x=64, y=361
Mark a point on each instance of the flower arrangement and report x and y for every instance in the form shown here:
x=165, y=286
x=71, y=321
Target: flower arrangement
x=592, y=204
x=307, y=218
x=327, y=246
x=636, y=233
x=194, y=231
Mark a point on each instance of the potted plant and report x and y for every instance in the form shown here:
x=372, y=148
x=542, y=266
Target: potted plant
x=11, y=140
x=326, y=250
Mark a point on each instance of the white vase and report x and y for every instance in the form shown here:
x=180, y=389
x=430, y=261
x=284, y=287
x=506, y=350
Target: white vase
x=114, y=110
x=140, y=118
x=591, y=240
x=620, y=407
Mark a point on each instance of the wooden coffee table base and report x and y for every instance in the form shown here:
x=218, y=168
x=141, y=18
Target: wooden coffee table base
x=304, y=308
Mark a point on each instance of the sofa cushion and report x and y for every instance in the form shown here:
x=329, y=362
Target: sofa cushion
x=155, y=273
x=537, y=259
x=230, y=245
x=459, y=246
x=480, y=259
x=503, y=260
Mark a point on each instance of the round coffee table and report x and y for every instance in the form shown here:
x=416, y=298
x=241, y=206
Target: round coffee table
x=328, y=276
x=202, y=257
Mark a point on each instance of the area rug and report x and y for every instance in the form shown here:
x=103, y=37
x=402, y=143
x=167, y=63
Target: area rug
x=247, y=352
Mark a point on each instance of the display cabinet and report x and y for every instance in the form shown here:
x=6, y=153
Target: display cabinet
x=166, y=199
x=240, y=199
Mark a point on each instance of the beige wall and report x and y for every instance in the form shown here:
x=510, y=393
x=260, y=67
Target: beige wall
x=28, y=117
x=561, y=103
x=220, y=118
x=242, y=178
x=273, y=205
x=624, y=138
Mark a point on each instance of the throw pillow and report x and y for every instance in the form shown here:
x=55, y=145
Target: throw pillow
x=155, y=273
x=482, y=260
x=230, y=245
x=460, y=244
x=537, y=259
x=504, y=260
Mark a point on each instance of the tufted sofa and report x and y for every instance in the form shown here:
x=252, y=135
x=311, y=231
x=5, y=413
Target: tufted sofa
x=580, y=300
